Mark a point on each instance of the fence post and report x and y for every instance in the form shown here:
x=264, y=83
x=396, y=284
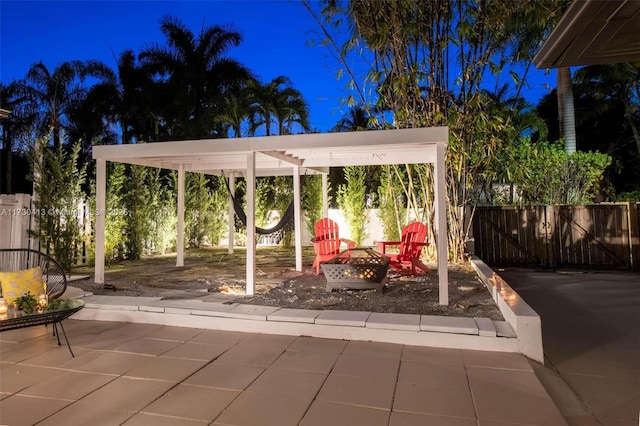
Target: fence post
x=634, y=234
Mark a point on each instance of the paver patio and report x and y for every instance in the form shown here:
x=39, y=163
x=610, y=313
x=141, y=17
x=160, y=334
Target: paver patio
x=144, y=374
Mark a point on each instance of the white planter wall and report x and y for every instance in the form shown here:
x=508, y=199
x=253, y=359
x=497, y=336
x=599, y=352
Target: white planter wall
x=373, y=228
x=16, y=220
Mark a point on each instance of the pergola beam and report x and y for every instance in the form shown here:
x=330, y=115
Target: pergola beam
x=281, y=155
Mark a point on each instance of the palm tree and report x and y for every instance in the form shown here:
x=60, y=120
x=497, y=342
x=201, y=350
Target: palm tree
x=292, y=110
x=90, y=115
x=235, y=110
x=52, y=91
x=196, y=72
x=127, y=95
x=358, y=118
x=59, y=92
x=136, y=100
x=527, y=29
x=566, y=112
x=615, y=84
x=273, y=104
x=518, y=115
x=17, y=126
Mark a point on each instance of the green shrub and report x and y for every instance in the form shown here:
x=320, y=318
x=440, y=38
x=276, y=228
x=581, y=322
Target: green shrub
x=312, y=200
x=632, y=196
x=392, y=208
x=544, y=173
x=352, y=201
x=58, y=181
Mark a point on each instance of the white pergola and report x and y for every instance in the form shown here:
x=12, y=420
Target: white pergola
x=292, y=155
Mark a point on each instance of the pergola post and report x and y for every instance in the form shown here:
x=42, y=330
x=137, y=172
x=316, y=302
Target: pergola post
x=180, y=236
x=232, y=213
x=101, y=190
x=441, y=224
x=325, y=195
x=251, y=222
x=297, y=217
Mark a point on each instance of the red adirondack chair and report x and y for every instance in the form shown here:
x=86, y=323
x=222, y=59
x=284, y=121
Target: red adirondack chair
x=327, y=242
x=409, y=248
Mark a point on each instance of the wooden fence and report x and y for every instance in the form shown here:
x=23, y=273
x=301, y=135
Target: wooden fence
x=593, y=236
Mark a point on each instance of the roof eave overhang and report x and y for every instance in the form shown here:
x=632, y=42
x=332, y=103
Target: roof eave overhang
x=593, y=32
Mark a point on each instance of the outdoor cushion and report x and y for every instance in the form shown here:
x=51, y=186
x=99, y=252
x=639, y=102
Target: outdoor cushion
x=18, y=283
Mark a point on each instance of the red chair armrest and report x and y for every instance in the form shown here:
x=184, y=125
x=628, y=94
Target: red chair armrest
x=316, y=244
x=350, y=244
x=382, y=245
x=416, y=247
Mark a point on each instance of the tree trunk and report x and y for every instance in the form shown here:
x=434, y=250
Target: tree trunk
x=56, y=138
x=566, y=111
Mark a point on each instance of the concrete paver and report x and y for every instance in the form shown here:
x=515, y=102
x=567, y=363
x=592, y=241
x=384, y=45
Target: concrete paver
x=247, y=379
x=324, y=413
x=372, y=392
x=425, y=398
x=192, y=402
x=308, y=361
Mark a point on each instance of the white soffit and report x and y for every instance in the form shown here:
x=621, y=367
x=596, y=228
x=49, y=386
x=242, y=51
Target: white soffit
x=593, y=32
x=278, y=155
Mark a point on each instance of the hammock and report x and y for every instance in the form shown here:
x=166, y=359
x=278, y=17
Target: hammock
x=284, y=221
x=272, y=235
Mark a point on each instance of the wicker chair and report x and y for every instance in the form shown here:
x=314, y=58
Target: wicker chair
x=16, y=259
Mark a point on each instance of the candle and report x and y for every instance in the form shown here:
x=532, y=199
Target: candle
x=3, y=306
x=42, y=300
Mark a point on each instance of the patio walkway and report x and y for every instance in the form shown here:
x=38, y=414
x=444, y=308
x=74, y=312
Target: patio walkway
x=147, y=374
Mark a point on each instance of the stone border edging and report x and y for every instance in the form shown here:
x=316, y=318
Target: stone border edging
x=183, y=317
x=418, y=330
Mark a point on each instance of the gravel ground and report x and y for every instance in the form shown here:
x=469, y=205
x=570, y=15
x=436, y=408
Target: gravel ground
x=208, y=271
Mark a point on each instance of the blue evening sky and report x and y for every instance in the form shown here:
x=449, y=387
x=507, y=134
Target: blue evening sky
x=277, y=36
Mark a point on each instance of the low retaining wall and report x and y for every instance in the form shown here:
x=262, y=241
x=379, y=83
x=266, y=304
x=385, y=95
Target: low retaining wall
x=518, y=314
x=416, y=330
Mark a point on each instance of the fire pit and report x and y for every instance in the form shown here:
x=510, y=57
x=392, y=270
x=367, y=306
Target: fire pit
x=356, y=268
